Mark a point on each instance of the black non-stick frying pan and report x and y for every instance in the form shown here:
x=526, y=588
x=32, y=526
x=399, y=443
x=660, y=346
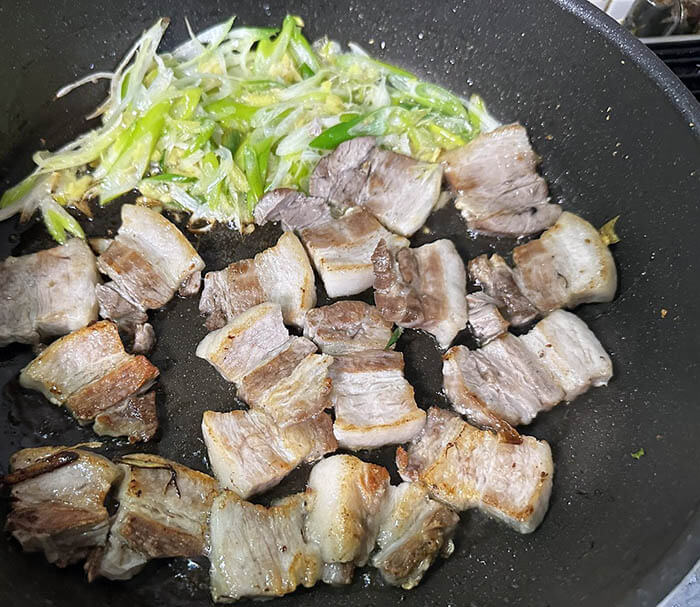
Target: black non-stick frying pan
x=618, y=135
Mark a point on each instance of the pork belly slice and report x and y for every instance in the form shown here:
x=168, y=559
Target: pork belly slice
x=498, y=189
x=293, y=209
x=260, y=552
x=346, y=497
x=163, y=512
x=485, y=319
x=246, y=342
x=413, y=530
x=567, y=266
x=149, y=260
x=422, y=288
x=347, y=326
x=134, y=417
x=570, y=352
x=374, y=404
x=280, y=274
x=504, y=379
x=341, y=250
x=249, y=453
x=465, y=467
x=398, y=190
x=497, y=280
x=89, y=373
x=48, y=293
x=58, y=496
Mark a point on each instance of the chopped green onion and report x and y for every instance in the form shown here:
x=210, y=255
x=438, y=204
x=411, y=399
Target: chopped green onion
x=396, y=334
x=58, y=221
x=638, y=454
x=172, y=177
x=607, y=232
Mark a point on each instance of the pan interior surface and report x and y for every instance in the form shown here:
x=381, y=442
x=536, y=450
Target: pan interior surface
x=617, y=134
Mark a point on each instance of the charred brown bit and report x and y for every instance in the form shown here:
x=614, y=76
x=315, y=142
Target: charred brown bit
x=47, y=294
x=422, y=288
x=90, y=374
x=498, y=188
x=58, y=498
x=135, y=417
x=465, y=468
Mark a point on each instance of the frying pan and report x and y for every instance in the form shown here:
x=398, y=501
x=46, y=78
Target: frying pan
x=618, y=135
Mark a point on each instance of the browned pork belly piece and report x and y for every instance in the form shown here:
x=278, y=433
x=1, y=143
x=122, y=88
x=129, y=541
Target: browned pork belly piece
x=58, y=496
x=465, y=468
x=485, y=320
x=280, y=274
x=147, y=262
x=346, y=497
x=374, y=404
x=163, y=512
x=90, y=374
x=48, y=293
x=249, y=453
x=498, y=189
x=413, y=530
x=259, y=551
x=398, y=190
x=347, y=326
x=567, y=266
x=293, y=209
x=135, y=417
x=422, y=288
x=515, y=378
x=341, y=250
x=496, y=278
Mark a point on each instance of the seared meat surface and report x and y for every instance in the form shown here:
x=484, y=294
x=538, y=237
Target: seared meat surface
x=260, y=552
x=346, y=497
x=163, y=512
x=47, y=294
x=498, y=189
x=135, y=417
x=514, y=378
x=341, y=250
x=374, y=404
x=485, y=320
x=413, y=530
x=249, y=453
x=347, y=326
x=398, y=190
x=465, y=468
x=90, y=374
x=423, y=288
x=58, y=496
x=148, y=262
x=281, y=274
x=567, y=266
x=293, y=209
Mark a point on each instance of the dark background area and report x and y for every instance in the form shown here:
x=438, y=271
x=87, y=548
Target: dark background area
x=617, y=135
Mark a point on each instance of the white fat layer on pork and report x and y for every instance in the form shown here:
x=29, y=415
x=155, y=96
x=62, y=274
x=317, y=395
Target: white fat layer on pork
x=570, y=351
x=260, y=552
x=346, y=497
x=503, y=379
x=61, y=512
x=485, y=320
x=249, y=453
x=374, y=404
x=341, y=251
x=163, y=512
x=465, y=468
x=413, y=530
x=287, y=278
x=567, y=266
x=48, y=293
x=239, y=347
x=347, y=326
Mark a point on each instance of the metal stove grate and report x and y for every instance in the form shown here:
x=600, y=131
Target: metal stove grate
x=682, y=55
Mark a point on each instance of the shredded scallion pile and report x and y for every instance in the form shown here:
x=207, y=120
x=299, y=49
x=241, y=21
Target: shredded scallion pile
x=231, y=114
